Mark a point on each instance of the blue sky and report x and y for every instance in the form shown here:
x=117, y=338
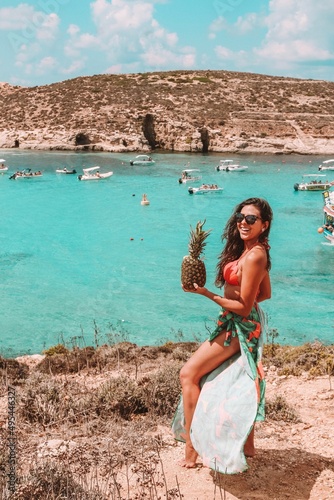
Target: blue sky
x=46, y=41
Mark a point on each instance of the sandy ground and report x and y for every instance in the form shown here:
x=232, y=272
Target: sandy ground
x=293, y=461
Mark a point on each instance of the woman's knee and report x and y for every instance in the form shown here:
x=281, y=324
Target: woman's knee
x=186, y=375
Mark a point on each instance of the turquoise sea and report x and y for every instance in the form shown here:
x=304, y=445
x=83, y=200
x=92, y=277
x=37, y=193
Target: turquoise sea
x=75, y=256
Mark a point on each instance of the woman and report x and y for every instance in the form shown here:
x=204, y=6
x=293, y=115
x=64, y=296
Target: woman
x=221, y=408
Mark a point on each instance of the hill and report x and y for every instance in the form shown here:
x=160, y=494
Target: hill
x=200, y=111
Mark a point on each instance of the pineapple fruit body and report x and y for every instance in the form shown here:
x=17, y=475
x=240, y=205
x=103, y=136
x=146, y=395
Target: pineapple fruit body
x=193, y=268
x=192, y=271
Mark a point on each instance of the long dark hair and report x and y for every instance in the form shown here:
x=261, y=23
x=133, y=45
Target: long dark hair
x=234, y=244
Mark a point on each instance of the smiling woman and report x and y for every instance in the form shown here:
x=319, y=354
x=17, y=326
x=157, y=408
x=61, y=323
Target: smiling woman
x=219, y=407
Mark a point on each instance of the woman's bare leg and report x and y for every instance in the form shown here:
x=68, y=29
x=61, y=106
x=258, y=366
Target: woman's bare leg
x=204, y=360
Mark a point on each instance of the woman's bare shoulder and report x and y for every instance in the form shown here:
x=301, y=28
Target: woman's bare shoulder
x=256, y=255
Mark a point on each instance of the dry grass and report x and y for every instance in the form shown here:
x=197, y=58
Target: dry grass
x=105, y=406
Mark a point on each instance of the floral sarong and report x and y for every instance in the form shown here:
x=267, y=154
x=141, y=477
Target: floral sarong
x=231, y=397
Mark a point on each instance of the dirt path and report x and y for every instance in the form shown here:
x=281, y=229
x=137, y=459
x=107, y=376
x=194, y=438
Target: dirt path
x=293, y=461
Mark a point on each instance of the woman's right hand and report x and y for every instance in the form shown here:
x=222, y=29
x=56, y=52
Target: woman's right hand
x=200, y=290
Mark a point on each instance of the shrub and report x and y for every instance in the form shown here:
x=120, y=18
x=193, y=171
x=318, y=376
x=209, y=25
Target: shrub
x=278, y=409
x=56, y=349
x=163, y=390
x=47, y=401
x=121, y=396
x=48, y=480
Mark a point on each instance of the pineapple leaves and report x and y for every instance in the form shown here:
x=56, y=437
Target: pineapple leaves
x=197, y=239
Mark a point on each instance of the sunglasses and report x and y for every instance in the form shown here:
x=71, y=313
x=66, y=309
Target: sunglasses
x=250, y=219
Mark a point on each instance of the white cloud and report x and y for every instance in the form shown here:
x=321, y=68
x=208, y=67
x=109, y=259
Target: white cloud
x=158, y=57
x=128, y=33
x=224, y=53
x=30, y=33
x=242, y=26
x=16, y=18
x=73, y=30
x=296, y=37
x=74, y=67
x=29, y=23
x=239, y=57
x=247, y=23
x=46, y=64
x=299, y=31
x=48, y=29
x=219, y=24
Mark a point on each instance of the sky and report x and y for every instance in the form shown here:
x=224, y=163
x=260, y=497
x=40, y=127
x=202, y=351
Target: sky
x=47, y=41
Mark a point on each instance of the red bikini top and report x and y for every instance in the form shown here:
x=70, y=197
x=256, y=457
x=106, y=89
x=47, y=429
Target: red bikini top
x=231, y=273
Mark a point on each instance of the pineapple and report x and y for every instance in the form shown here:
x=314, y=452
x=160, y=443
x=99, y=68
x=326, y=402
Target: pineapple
x=193, y=268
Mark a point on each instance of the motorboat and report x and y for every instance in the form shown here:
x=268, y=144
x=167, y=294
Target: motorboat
x=142, y=160
x=325, y=165
x=230, y=166
x=328, y=209
x=66, y=171
x=189, y=175
x=313, y=182
x=93, y=174
x=205, y=188
x=3, y=167
x=26, y=173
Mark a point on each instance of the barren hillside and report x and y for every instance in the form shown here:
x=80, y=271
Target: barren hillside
x=177, y=110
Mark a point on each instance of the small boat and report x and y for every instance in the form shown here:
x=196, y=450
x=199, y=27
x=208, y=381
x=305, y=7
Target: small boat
x=144, y=200
x=93, y=174
x=205, y=188
x=142, y=160
x=188, y=175
x=328, y=209
x=313, y=182
x=66, y=171
x=325, y=165
x=26, y=173
x=230, y=166
x=3, y=167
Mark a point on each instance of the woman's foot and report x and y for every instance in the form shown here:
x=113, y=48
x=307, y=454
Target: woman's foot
x=249, y=448
x=189, y=462
x=249, y=451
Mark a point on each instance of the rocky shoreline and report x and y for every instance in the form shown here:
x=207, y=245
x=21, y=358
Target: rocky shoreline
x=184, y=111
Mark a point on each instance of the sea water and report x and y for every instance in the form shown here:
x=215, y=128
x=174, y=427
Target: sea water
x=84, y=262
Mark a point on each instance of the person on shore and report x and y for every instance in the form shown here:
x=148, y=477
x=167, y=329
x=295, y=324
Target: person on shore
x=223, y=382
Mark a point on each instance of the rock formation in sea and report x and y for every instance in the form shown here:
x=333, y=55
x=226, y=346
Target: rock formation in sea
x=191, y=111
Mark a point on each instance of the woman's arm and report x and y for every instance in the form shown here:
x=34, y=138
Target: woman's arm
x=265, y=289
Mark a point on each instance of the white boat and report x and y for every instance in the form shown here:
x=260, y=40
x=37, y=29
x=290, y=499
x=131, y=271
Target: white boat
x=230, y=166
x=66, y=171
x=189, y=175
x=93, y=174
x=205, y=188
x=144, y=200
x=3, y=167
x=142, y=160
x=325, y=165
x=26, y=173
x=328, y=209
x=313, y=182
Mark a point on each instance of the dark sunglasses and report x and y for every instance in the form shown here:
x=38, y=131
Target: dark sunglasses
x=250, y=219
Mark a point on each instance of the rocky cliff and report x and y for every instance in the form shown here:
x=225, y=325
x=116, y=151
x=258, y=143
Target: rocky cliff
x=198, y=111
